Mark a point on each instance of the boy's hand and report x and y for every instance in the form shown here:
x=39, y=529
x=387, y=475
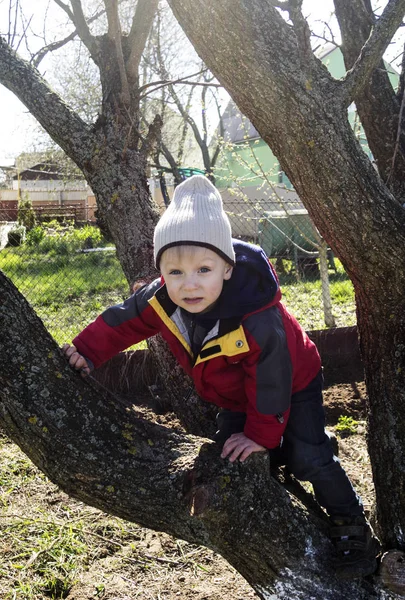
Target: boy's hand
x=76, y=360
x=240, y=446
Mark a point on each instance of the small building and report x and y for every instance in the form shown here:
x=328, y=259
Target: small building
x=52, y=193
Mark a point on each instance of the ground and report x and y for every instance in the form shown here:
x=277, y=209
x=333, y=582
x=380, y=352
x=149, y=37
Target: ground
x=54, y=547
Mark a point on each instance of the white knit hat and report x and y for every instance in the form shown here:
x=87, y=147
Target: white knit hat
x=195, y=217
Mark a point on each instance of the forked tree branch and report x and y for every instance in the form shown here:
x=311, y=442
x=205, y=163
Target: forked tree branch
x=373, y=49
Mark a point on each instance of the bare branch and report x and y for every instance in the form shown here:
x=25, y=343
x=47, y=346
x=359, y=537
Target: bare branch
x=82, y=27
x=66, y=8
x=373, y=49
x=115, y=35
x=324, y=39
x=23, y=33
x=170, y=82
x=221, y=132
x=141, y=26
x=10, y=38
x=166, y=81
x=183, y=135
x=204, y=113
x=40, y=55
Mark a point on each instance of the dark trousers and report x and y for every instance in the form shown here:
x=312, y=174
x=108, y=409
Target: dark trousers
x=306, y=450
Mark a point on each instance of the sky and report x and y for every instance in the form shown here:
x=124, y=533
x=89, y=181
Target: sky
x=17, y=127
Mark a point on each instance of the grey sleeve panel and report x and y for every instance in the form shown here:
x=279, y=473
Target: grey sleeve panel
x=132, y=307
x=274, y=368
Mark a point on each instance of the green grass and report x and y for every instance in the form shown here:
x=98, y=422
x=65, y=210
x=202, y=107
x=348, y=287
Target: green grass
x=304, y=299
x=68, y=288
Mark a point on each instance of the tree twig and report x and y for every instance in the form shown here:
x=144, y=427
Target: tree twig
x=170, y=82
x=56, y=45
x=166, y=81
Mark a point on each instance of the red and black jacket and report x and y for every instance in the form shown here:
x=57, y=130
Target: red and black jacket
x=253, y=359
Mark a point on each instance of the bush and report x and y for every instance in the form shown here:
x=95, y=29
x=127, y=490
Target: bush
x=35, y=236
x=26, y=214
x=61, y=239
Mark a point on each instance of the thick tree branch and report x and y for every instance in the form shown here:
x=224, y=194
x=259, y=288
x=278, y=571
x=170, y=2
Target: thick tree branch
x=141, y=26
x=301, y=28
x=115, y=35
x=64, y=126
x=374, y=49
x=109, y=456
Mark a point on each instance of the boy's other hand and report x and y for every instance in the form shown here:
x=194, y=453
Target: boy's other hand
x=76, y=360
x=240, y=446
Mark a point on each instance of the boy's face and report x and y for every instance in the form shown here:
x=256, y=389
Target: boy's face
x=194, y=276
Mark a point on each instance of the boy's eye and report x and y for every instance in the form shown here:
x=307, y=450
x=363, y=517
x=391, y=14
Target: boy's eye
x=205, y=270
x=174, y=272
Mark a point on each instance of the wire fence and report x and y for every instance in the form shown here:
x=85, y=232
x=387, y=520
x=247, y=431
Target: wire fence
x=69, y=273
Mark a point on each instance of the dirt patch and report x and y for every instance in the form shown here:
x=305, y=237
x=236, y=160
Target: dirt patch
x=54, y=547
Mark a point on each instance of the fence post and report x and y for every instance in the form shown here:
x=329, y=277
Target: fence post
x=326, y=299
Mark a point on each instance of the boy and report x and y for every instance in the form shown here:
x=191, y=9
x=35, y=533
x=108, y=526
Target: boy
x=217, y=304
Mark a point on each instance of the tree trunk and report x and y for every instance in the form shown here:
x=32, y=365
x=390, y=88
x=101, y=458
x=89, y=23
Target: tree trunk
x=268, y=68
x=117, y=176
x=109, y=456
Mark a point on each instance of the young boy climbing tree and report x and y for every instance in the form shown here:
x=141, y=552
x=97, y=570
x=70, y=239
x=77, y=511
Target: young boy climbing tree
x=217, y=304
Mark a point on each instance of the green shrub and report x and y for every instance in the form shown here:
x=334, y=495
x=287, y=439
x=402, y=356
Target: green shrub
x=35, y=236
x=58, y=239
x=26, y=214
x=347, y=425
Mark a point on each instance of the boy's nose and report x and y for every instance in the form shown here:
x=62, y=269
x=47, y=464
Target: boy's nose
x=190, y=283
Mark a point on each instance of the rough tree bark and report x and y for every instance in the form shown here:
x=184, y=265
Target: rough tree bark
x=108, y=455
x=269, y=69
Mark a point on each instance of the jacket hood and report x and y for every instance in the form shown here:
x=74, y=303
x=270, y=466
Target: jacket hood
x=253, y=284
